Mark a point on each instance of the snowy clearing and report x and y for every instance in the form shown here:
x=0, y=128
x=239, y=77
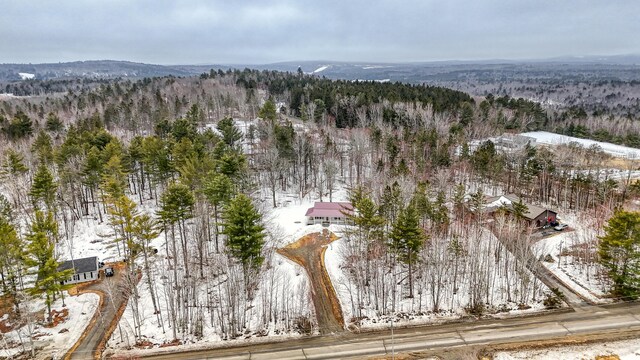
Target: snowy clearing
x=369, y=67
x=320, y=69
x=548, y=138
x=625, y=350
x=27, y=76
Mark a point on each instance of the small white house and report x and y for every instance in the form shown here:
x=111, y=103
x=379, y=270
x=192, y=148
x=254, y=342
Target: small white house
x=85, y=269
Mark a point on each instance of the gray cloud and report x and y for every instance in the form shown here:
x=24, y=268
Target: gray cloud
x=200, y=31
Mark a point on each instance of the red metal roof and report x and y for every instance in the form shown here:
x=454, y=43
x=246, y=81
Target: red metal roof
x=329, y=209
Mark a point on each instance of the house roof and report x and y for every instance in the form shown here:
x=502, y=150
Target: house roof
x=329, y=209
x=80, y=265
x=494, y=202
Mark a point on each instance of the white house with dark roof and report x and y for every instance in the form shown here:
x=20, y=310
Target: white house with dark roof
x=85, y=269
x=329, y=213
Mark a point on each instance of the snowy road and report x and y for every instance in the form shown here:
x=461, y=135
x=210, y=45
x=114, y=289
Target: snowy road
x=603, y=321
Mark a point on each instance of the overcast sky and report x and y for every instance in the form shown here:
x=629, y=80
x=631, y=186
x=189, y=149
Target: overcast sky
x=252, y=32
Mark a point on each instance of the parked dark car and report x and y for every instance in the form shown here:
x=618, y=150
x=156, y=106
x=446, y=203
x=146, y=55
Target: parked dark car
x=109, y=272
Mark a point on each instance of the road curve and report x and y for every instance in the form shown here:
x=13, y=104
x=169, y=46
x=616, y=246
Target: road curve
x=113, y=298
x=592, y=320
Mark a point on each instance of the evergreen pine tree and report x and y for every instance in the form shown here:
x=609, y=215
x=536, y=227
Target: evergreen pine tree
x=245, y=233
x=407, y=238
x=176, y=207
x=619, y=251
x=122, y=212
x=268, y=111
x=145, y=229
x=13, y=164
x=43, y=148
x=218, y=189
x=368, y=227
x=11, y=256
x=519, y=209
x=40, y=254
x=230, y=133
x=43, y=189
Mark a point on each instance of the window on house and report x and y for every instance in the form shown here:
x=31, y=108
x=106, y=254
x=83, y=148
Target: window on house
x=85, y=276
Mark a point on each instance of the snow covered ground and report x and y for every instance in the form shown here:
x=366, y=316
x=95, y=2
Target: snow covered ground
x=283, y=279
x=88, y=237
x=625, y=350
x=59, y=339
x=548, y=138
x=414, y=311
x=568, y=249
x=320, y=69
x=27, y=76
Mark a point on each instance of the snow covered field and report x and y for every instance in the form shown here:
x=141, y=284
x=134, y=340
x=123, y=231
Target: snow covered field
x=320, y=69
x=625, y=350
x=548, y=138
x=27, y=76
x=60, y=338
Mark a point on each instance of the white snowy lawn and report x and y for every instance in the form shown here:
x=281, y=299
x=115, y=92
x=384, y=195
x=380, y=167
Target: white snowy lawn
x=59, y=339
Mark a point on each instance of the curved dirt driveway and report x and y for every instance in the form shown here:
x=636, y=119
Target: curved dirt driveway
x=112, y=301
x=308, y=252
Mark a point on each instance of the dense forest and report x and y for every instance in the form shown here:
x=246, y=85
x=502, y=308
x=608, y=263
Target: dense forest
x=191, y=167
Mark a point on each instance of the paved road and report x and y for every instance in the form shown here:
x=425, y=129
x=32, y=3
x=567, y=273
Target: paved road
x=111, y=290
x=593, y=320
x=308, y=252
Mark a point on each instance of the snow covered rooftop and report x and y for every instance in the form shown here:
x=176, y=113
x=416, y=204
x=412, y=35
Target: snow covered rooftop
x=548, y=138
x=495, y=202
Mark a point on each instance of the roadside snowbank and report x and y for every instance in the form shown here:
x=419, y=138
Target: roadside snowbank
x=625, y=350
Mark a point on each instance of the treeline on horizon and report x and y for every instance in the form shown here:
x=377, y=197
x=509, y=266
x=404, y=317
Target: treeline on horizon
x=340, y=102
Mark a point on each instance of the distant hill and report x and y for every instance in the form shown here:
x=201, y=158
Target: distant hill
x=96, y=69
x=622, y=67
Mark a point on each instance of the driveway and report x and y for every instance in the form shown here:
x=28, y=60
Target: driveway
x=571, y=297
x=308, y=252
x=113, y=297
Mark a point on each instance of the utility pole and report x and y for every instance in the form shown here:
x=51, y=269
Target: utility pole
x=393, y=353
